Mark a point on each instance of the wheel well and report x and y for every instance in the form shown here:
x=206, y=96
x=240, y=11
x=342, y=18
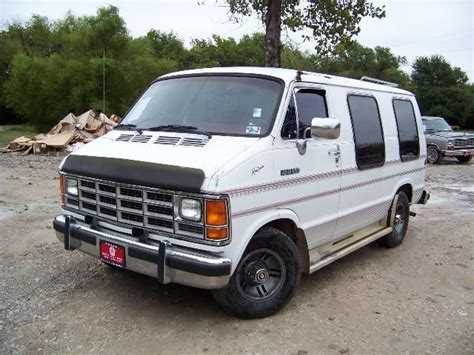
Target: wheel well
x=296, y=234
x=408, y=190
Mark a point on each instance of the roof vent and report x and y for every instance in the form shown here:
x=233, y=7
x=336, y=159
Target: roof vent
x=124, y=137
x=194, y=142
x=168, y=140
x=139, y=138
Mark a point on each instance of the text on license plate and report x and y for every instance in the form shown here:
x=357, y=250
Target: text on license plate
x=113, y=254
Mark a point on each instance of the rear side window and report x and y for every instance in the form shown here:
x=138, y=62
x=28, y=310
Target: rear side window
x=368, y=133
x=409, y=142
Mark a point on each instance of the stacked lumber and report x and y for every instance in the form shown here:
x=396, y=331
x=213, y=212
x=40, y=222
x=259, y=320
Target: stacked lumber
x=68, y=134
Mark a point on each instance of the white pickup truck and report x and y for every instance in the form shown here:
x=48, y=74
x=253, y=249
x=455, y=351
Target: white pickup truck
x=240, y=179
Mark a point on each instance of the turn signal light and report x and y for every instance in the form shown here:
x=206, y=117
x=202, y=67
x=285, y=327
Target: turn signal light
x=217, y=233
x=216, y=212
x=61, y=187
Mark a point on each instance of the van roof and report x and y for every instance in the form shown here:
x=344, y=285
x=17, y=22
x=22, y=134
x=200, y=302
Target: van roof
x=289, y=75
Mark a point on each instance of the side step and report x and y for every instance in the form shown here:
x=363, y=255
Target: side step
x=349, y=249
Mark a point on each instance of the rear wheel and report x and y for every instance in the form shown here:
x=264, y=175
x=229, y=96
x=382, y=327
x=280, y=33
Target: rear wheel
x=464, y=159
x=265, y=279
x=400, y=224
x=433, y=155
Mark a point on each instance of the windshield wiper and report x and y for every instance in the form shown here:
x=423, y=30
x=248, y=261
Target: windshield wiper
x=126, y=125
x=178, y=128
x=129, y=126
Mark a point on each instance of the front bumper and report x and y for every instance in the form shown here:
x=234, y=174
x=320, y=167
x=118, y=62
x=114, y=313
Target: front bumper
x=458, y=153
x=162, y=260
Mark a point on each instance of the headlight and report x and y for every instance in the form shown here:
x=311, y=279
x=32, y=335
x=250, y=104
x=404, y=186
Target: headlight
x=71, y=186
x=190, y=209
x=450, y=144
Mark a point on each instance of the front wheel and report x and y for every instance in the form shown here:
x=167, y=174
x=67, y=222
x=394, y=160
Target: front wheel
x=464, y=160
x=433, y=155
x=265, y=279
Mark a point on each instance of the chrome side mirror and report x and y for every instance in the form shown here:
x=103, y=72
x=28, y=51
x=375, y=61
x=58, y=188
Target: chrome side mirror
x=329, y=128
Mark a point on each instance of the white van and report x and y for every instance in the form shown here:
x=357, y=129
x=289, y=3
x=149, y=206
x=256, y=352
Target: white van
x=240, y=179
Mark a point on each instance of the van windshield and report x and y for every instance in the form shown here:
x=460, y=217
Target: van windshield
x=227, y=105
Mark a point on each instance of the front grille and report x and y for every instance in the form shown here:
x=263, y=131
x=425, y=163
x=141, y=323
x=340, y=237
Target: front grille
x=460, y=142
x=136, y=206
x=133, y=206
x=471, y=142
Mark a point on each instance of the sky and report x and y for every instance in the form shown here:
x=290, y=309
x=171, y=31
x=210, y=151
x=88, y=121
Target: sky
x=412, y=28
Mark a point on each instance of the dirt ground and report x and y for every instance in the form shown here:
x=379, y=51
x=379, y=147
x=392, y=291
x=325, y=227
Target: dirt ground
x=417, y=298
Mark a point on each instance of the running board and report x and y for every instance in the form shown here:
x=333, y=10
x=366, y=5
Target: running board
x=349, y=249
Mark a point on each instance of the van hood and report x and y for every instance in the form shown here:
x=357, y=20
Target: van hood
x=166, y=160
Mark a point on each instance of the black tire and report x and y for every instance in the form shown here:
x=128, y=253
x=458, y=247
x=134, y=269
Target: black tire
x=433, y=155
x=464, y=160
x=402, y=216
x=265, y=279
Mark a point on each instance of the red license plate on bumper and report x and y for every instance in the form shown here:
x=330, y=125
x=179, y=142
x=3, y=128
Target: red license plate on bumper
x=112, y=254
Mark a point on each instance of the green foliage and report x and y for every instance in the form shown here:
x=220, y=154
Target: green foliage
x=357, y=61
x=436, y=71
x=220, y=51
x=10, y=132
x=48, y=69
x=43, y=80
x=442, y=90
x=332, y=22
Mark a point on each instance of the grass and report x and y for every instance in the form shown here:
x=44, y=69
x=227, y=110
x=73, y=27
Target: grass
x=10, y=132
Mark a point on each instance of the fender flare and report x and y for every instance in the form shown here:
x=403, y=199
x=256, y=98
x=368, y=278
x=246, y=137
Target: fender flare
x=405, y=181
x=257, y=222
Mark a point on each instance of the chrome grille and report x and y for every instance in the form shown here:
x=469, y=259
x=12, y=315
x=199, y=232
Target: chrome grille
x=132, y=205
x=459, y=142
x=149, y=208
x=471, y=142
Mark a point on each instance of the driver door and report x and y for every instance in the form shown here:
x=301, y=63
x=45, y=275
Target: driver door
x=313, y=177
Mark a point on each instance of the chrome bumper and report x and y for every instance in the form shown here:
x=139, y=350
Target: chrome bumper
x=162, y=260
x=458, y=153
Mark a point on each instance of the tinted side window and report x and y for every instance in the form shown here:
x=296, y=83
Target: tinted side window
x=407, y=130
x=368, y=133
x=310, y=104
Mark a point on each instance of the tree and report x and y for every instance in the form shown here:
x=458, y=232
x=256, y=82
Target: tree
x=436, y=71
x=332, y=22
x=357, y=61
x=442, y=90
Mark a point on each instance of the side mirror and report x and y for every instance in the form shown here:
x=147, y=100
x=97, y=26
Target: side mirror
x=329, y=128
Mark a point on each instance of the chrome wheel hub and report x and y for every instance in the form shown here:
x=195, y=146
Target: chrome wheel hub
x=257, y=272
x=260, y=274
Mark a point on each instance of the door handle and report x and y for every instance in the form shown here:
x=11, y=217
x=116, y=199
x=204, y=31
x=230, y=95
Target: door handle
x=336, y=153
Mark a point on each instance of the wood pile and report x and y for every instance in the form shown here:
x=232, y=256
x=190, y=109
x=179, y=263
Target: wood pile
x=69, y=134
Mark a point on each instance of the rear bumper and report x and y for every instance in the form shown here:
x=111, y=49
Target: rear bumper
x=162, y=260
x=458, y=153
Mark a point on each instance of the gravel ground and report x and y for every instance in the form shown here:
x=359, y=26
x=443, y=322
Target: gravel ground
x=417, y=298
